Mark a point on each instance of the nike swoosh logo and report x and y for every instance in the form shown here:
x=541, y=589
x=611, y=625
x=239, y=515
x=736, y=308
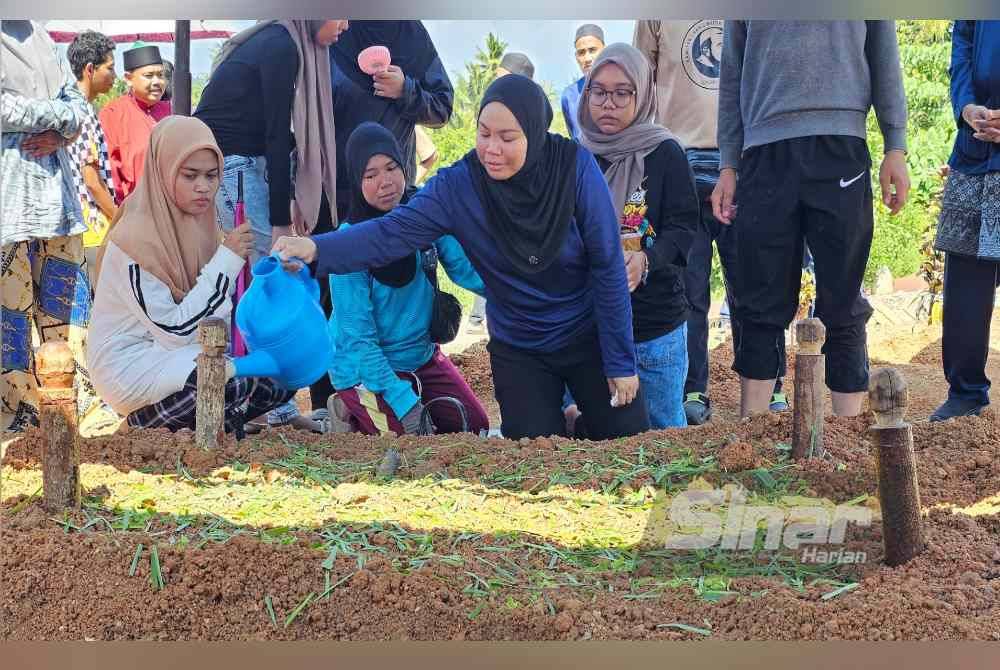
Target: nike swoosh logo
x=845, y=184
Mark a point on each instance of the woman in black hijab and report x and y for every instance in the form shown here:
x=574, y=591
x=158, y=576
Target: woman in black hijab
x=387, y=369
x=534, y=215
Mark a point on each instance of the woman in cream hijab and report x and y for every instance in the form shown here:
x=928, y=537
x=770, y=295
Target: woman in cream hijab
x=163, y=269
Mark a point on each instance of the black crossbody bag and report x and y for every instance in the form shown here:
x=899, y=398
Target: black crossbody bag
x=446, y=312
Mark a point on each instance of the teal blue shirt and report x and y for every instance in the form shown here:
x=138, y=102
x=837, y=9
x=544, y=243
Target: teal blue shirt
x=378, y=330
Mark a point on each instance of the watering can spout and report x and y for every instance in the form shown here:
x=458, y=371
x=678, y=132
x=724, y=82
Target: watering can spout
x=257, y=364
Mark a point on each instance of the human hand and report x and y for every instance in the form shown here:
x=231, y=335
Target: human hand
x=44, y=144
x=623, y=390
x=722, y=196
x=240, y=240
x=989, y=128
x=895, y=180
x=390, y=83
x=976, y=116
x=291, y=249
x=636, y=263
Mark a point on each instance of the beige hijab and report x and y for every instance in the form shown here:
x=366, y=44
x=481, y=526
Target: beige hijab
x=625, y=150
x=312, y=120
x=166, y=242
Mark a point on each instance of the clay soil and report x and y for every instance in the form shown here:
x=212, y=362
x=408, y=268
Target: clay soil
x=61, y=581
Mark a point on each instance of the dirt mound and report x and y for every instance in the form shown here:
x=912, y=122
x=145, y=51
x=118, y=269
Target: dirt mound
x=69, y=586
x=150, y=451
x=69, y=577
x=474, y=363
x=738, y=456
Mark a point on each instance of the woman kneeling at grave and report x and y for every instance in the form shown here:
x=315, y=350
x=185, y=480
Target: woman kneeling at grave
x=534, y=215
x=161, y=271
x=387, y=369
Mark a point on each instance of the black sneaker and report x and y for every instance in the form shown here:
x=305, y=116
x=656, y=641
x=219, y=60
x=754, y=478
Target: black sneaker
x=954, y=407
x=697, y=408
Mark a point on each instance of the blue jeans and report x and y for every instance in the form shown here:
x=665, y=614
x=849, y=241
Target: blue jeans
x=662, y=365
x=256, y=203
x=256, y=207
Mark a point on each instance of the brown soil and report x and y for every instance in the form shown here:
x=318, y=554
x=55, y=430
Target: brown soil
x=154, y=451
x=71, y=586
x=65, y=587
x=474, y=363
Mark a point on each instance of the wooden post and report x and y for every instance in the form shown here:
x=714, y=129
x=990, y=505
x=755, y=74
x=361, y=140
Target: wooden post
x=809, y=399
x=898, y=490
x=56, y=369
x=211, y=407
x=181, y=102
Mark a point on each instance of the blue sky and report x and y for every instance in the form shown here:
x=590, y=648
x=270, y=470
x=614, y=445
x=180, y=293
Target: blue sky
x=549, y=44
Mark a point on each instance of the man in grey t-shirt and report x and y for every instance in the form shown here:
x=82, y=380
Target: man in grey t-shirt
x=793, y=100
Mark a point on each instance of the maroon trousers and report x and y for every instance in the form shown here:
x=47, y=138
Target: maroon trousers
x=437, y=378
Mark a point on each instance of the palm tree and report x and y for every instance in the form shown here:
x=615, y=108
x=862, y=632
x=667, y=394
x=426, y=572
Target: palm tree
x=479, y=74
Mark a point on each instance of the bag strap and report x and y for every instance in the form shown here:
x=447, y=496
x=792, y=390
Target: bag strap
x=430, y=265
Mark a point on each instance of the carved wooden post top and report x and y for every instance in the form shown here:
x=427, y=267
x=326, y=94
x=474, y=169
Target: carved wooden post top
x=810, y=334
x=888, y=396
x=56, y=368
x=213, y=336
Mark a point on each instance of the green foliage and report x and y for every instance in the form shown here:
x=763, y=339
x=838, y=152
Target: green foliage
x=118, y=90
x=925, y=53
x=198, y=85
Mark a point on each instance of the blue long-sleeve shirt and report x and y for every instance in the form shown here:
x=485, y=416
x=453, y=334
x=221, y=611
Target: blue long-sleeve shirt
x=379, y=330
x=570, y=102
x=975, y=80
x=584, y=288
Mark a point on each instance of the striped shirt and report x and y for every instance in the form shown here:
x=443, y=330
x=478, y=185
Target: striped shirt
x=142, y=345
x=91, y=148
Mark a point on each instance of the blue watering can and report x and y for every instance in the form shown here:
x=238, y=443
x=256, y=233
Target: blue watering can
x=284, y=327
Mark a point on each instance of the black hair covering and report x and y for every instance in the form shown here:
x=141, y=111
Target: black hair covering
x=367, y=140
x=530, y=213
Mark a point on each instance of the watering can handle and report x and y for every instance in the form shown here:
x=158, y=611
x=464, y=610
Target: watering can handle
x=276, y=256
x=311, y=284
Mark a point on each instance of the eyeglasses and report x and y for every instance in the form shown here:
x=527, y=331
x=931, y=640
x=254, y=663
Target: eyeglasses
x=620, y=97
